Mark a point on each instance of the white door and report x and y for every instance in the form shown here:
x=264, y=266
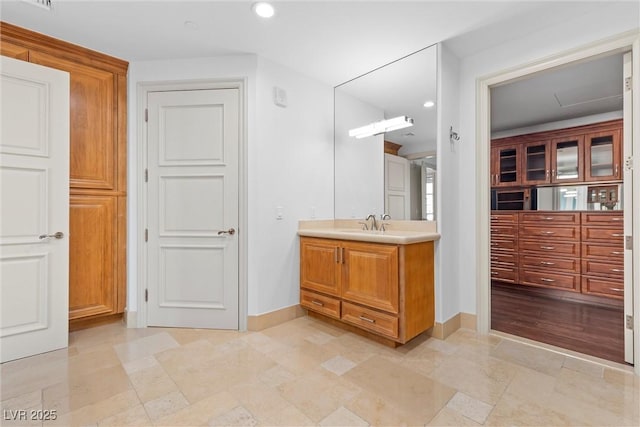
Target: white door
x=627, y=152
x=192, y=193
x=396, y=187
x=34, y=190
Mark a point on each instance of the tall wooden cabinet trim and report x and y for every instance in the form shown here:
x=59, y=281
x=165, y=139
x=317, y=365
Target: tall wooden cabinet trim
x=98, y=159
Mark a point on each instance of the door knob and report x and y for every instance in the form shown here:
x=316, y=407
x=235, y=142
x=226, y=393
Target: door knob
x=230, y=232
x=58, y=235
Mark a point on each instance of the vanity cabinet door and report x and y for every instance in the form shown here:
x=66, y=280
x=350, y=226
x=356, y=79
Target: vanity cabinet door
x=370, y=275
x=320, y=265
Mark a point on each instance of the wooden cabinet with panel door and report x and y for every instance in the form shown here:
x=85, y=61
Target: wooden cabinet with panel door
x=98, y=99
x=603, y=155
x=384, y=289
x=505, y=165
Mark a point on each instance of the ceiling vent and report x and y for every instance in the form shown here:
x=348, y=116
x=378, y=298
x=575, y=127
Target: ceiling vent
x=44, y=4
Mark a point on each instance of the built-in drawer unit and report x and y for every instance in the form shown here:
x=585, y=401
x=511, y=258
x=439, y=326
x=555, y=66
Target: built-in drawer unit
x=504, y=246
x=603, y=254
x=549, y=249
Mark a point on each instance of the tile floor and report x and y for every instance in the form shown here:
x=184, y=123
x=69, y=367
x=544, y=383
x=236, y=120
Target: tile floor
x=305, y=372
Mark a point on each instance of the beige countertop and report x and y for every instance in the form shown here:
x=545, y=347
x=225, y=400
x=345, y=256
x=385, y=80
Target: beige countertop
x=397, y=232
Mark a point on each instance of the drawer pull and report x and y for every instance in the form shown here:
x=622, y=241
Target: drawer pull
x=617, y=218
x=616, y=289
x=548, y=248
x=547, y=263
x=494, y=217
x=544, y=279
x=317, y=303
x=617, y=253
x=547, y=233
x=616, y=235
x=548, y=218
x=494, y=273
x=617, y=270
x=366, y=319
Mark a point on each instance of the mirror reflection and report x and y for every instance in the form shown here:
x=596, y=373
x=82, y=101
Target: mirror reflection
x=385, y=141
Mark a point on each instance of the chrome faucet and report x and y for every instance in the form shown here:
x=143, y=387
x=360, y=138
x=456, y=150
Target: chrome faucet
x=374, y=225
x=385, y=216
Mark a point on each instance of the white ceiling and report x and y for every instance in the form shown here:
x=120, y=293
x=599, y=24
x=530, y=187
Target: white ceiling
x=331, y=41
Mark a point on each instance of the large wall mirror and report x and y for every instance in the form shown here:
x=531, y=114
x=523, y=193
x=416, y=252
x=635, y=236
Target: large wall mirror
x=381, y=166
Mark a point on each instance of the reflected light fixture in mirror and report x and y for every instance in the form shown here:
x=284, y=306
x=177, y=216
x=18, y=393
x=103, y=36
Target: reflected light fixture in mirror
x=263, y=9
x=382, y=126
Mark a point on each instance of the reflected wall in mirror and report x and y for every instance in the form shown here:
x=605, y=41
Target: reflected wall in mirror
x=392, y=172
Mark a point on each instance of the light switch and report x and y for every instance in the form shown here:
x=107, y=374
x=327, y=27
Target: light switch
x=279, y=214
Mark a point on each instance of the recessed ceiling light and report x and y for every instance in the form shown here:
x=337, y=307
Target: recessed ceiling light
x=429, y=104
x=264, y=9
x=190, y=25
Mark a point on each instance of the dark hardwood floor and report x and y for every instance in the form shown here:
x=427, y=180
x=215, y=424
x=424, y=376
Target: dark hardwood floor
x=586, y=328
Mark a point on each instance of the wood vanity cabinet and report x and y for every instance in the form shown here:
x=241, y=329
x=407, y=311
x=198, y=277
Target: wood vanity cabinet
x=98, y=145
x=384, y=289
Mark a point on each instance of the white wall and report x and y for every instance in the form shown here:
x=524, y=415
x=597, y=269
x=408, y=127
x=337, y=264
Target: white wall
x=449, y=200
x=607, y=21
x=290, y=164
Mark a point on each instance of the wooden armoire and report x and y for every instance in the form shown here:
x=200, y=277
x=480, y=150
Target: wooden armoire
x=98, y=169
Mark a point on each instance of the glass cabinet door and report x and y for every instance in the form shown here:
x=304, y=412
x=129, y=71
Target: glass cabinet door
x=536, y=163
x=506, y=166
x=566, y=161
x=602, y=156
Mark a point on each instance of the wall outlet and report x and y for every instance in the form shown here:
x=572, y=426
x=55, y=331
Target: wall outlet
x=279, y=97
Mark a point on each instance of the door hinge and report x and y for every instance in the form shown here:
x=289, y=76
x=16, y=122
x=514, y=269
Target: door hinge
x=628, y=242
x=628, y=163
x=146, y=295
x=146, y=234
x=146, y=115
x=629, y=321
x=146, y=175
x=627, y=83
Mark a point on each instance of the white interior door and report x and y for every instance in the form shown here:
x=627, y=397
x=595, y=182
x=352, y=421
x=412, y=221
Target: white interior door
x=396, y=187
x=192, y=193
x=34, y=189
x=627, y=153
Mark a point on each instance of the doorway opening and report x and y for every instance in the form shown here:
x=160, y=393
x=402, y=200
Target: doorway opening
x=548, y=166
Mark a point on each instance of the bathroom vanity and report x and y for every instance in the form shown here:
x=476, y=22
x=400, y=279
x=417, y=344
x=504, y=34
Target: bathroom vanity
x=381, y=282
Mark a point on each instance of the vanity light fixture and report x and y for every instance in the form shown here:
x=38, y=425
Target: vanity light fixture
x=429, y=104
x=263, y=9
x=382, y=126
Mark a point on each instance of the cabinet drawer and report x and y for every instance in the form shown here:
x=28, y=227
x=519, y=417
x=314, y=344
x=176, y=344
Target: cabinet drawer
x=504, y=218
x=568, y=282
x=320, y=303
x=613, y=253
x=556, y=248
x=549, y=233
x=504, y=231
x=550, y=218
x=503, y=259
x=550, y=263
x=503, y=245
x=504, y=274
x=601, y=218
x=609, y=235
x=371, y=320
x=603, y=268
x=604, y=287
